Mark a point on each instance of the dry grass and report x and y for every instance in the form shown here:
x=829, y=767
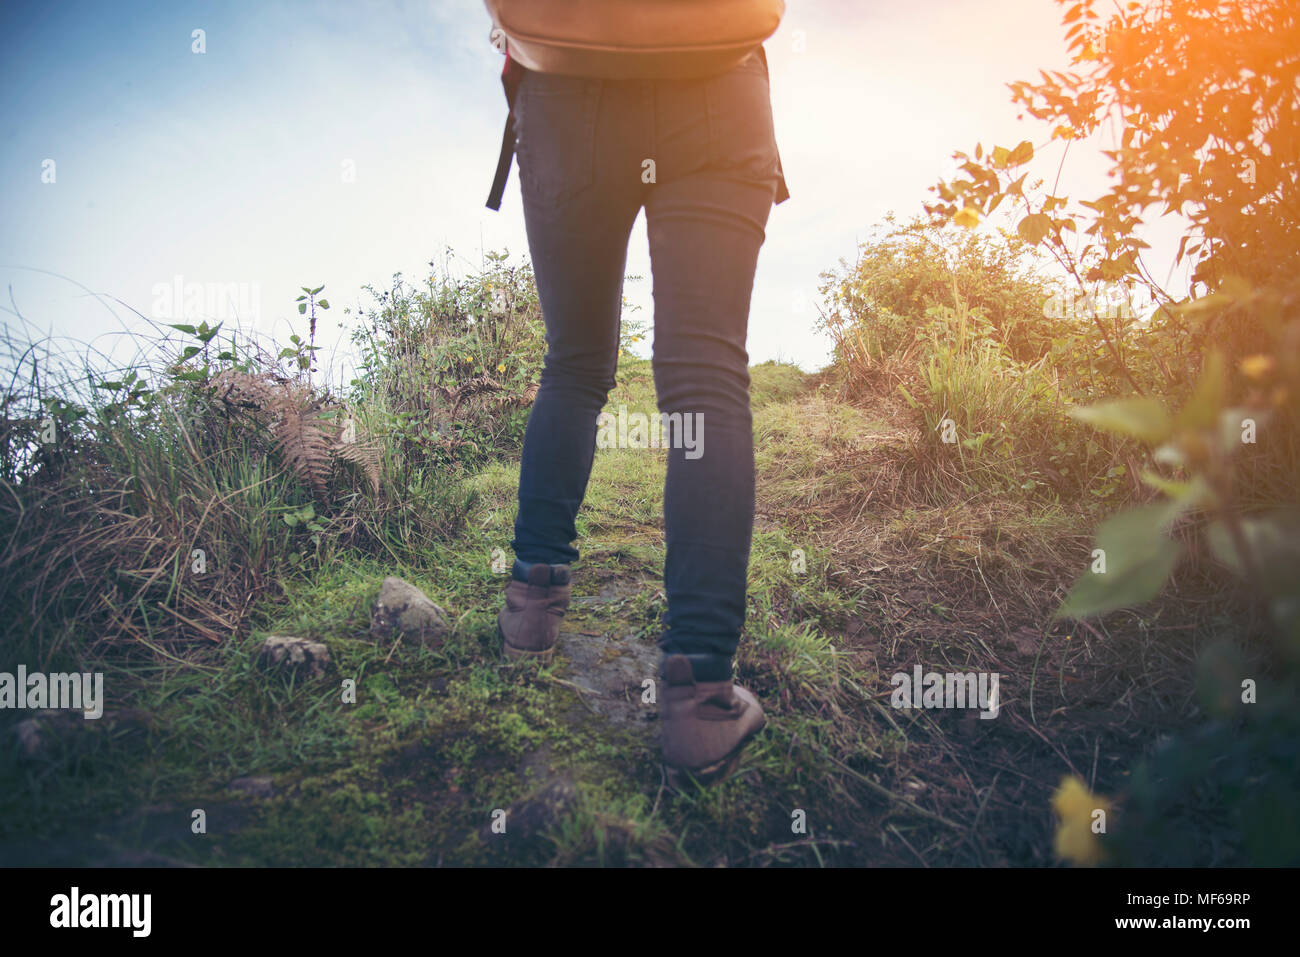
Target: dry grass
x=157, y=528
x=961, y=583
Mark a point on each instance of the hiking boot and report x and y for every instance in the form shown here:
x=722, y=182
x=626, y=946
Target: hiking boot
x=705, y=725
x=530, y=621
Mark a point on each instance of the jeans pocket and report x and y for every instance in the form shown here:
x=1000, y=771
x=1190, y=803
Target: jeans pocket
x=555, y=136
x=741, y=134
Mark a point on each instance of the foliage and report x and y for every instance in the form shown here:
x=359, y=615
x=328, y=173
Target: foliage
x=450, y=369
x=1203, y=95
x=154, y=507
x=958, y=319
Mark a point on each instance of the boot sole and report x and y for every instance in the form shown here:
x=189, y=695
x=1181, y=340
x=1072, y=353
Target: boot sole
x=680, y=779
x=524, y=654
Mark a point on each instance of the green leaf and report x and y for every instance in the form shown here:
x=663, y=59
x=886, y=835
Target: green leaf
x=1095, y=594
x=1034, y=227
x=181, y=327
x=323, y=303
x=1139, y=559
x=302, y=308
x=206, y=335
x=1204, y=305
x=1272, y=542
x=1202, y=409
x=1191, y=494
x=1141, y=417
x=1023, y=153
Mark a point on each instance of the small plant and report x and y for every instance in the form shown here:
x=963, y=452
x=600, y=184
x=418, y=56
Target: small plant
x=303, y=354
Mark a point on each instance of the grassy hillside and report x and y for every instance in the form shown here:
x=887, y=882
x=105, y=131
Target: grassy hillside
x=440, y=738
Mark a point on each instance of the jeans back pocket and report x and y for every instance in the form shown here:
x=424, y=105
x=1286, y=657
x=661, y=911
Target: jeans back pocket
x=555, y=136
x=741, y=134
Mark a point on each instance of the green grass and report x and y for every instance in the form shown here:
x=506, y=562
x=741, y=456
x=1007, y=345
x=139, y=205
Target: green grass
x=439, y=740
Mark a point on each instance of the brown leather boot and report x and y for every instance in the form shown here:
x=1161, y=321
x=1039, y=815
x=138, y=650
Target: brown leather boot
x=705, y=725
x=530, y=621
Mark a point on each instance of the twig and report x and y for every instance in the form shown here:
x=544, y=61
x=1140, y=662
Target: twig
x=1059, y=753
x=898, y=798
x=908, y=845
x=580, y=691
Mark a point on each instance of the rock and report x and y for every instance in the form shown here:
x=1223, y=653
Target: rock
x=259, y=787
x=608, y=673
x=37, y=735
x=1026, y=641
x=402, y=609
x=530, y=817
x=298, y=655
x=30, y=740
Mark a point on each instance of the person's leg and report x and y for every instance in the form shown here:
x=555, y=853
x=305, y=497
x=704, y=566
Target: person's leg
x=578, y=210
x=706, y=219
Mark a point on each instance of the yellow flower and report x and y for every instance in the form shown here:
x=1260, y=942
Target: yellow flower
x=1258, y=367
x=1075, y=805
x=501, y=367
x=967, y=217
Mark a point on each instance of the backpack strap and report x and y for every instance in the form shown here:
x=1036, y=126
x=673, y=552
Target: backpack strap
x=782, y=194
x=511, y=74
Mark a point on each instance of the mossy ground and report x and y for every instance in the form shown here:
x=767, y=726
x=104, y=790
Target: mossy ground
x=439, y=740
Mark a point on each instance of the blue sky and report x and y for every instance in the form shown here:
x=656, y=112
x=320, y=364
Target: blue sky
x=227, y=166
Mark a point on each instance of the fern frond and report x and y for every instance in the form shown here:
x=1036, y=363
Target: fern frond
x=302, y=438
x=367, y=456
